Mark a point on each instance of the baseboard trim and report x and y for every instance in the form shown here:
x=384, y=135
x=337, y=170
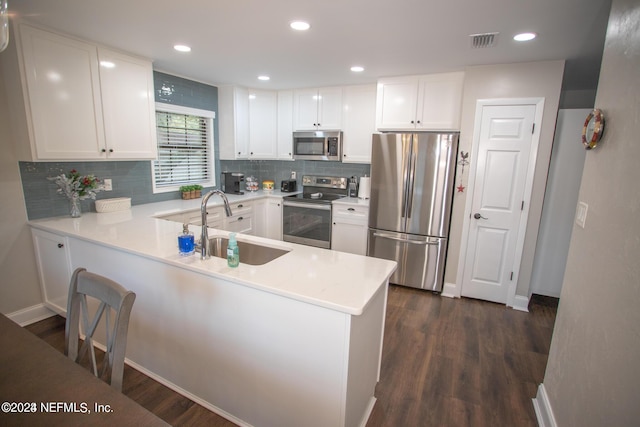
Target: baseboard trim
x=542, y=407
x=30, y=315
x=367, y=412
x=450, y=290
x=521, y=303
x=185, y=393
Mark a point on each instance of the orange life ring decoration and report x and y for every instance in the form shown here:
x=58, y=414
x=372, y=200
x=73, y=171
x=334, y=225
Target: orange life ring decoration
x=593, y=129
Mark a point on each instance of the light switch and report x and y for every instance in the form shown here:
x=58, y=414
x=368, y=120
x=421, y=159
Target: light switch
x=107, y=185
x=581, y=214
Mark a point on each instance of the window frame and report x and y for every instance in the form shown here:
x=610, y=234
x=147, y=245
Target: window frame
x=210, y=117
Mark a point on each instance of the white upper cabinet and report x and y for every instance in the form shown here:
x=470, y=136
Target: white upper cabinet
x=233, y=106
x=359, y=123
x=263, y=121
x=255, y=124
x=77, y=109
x=128, y=106
x=429, y=102
x=63, y=95
x=318, y=109
x=285, y=125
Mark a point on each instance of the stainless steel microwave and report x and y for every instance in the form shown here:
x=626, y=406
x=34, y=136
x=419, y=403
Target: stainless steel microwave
x=317, y=145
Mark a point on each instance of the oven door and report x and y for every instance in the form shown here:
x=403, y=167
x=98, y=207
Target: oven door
x=306, y=223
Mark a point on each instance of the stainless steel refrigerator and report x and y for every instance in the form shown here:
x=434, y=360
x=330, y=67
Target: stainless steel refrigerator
x=412, y=179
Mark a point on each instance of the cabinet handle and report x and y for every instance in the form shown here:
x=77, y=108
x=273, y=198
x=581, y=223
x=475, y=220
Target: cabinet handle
x=111, y=150
x=412, y=122
x=240, y=218
x=60, y=245
x=104, y=150
x=418, y=121
x=239, y=206
x=334, y=223
x=351, y=209
x=252, y=153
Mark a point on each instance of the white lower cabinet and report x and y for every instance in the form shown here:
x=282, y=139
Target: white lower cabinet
x=54, y=268
x=273, y=221
x=349, y=230
x=214, y=217
x=261, y=217
x=241, y=220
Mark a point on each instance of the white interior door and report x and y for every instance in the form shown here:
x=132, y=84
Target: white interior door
x=498, y=200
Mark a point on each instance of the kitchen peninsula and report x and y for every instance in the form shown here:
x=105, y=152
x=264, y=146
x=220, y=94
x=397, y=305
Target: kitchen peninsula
x=295, y=341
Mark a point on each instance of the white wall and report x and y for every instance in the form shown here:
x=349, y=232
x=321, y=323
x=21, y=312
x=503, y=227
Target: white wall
x=560, y=200
x=592, y=376
x=522, y=80
x=19, y=287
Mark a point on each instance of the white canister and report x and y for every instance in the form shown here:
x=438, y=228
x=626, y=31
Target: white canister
x=364, y=190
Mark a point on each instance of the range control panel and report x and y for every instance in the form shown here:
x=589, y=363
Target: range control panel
x=325, y=181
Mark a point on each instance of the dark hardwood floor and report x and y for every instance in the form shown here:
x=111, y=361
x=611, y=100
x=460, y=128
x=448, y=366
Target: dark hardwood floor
x=445, y=362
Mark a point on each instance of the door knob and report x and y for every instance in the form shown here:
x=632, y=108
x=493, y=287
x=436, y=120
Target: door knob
x=478, y=216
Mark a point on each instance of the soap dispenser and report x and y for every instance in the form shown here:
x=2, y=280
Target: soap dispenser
x=186, y=242
x=233, y=253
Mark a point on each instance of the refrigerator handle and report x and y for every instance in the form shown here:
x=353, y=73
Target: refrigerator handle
x=412, y=175
x=406, y=166
x=400, y=239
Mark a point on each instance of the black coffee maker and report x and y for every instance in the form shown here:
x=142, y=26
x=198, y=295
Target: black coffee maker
x=231, y=182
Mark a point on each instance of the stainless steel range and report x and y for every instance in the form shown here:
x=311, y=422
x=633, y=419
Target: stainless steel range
x=306, y=217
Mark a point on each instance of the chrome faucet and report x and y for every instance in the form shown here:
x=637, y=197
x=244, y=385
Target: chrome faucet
x=204, y=238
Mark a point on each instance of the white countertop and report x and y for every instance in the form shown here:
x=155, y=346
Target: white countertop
x=352, y=201
x=331, y=279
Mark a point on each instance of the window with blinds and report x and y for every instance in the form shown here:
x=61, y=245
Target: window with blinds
x=185, y=149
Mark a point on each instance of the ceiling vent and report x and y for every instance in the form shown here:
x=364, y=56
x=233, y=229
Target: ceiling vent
x=483, y=40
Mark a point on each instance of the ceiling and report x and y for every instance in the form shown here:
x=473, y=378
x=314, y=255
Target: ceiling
x=234, y=41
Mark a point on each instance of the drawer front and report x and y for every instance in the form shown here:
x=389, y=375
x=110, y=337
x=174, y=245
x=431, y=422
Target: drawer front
x=214, y=217
x=241, y=208
x=353, y=213
x=240, y=224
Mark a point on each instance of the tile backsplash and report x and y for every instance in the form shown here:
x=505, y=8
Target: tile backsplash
x=133, y=179
x=277, y=170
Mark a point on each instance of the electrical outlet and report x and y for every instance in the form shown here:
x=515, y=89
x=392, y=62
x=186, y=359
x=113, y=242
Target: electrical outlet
x=107, y=184
x=581, y=214
x=293, y=174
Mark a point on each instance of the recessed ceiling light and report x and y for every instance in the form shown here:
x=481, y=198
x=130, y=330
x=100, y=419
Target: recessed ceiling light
x=357, y=69
x=107, y=64
x=523, y=37
x=264, y=78
x=182, y=48
x=300, y=25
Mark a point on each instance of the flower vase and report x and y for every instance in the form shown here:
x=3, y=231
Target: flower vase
x=74, y=206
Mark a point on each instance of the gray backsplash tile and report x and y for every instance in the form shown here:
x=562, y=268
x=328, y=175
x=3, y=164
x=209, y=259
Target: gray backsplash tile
x=133, y=179
x=278, y=170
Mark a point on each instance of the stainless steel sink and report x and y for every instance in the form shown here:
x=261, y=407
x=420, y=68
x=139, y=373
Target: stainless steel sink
x=250, y=253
